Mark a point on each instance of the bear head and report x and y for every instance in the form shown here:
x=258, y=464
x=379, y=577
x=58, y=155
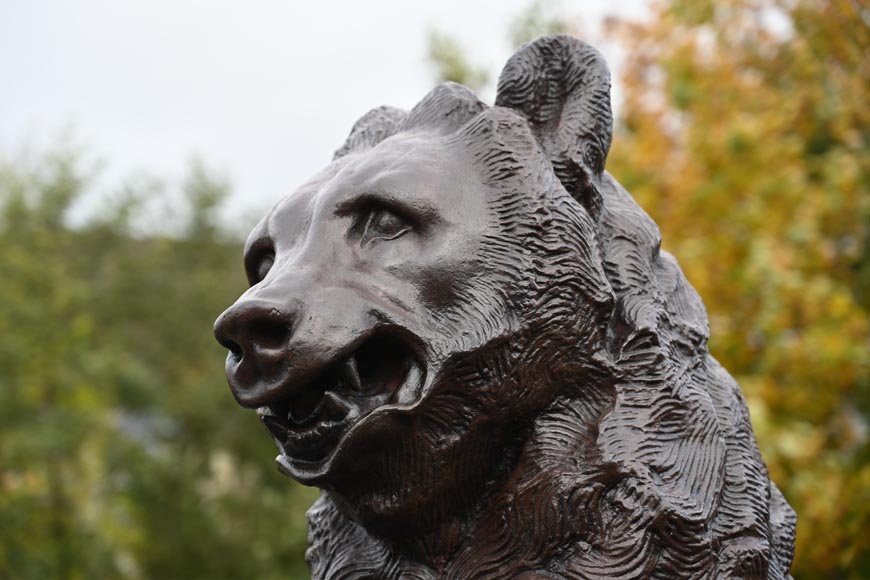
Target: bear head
x=464, y=317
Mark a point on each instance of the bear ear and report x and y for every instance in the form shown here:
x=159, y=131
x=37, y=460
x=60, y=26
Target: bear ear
x=562, y=86
x=371, y=129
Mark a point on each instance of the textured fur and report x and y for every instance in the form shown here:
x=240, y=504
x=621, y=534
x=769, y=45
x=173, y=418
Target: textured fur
x=578, y=426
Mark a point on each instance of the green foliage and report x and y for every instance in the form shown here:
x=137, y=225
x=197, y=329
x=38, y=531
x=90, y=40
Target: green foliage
x=122, y=453
x=542, y=17
x=746, y=135
x=449, y=61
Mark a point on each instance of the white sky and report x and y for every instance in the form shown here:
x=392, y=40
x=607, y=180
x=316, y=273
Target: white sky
x=262, y=90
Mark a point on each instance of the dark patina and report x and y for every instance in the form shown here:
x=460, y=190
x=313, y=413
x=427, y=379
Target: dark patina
x=464, y=332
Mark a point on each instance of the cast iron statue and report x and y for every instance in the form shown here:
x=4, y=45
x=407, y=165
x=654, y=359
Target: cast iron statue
x=463, y=331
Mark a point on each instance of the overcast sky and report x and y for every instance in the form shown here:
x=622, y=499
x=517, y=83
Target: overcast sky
x=262, y=90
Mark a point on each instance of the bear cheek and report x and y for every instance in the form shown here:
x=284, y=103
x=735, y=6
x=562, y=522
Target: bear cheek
x=441, y=286
x=437, y=288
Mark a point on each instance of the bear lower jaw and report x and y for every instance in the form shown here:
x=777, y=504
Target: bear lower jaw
x=338, y=439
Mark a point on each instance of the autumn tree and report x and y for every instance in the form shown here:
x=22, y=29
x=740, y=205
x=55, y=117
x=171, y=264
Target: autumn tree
x=745, y=133
x=744, y=130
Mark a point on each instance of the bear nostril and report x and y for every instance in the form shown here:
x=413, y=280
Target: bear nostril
x=229, y=344
x=234, y=348
x=267, y=334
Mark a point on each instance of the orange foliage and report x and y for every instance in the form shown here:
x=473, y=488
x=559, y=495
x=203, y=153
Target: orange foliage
x=746, y=135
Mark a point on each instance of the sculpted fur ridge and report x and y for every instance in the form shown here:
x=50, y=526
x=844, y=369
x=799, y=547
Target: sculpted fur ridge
x=557, y=414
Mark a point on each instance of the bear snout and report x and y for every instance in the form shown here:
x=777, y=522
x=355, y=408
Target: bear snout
x=257, y=333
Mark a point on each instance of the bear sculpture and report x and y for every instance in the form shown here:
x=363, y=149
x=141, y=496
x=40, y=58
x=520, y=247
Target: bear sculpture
x=464, y=332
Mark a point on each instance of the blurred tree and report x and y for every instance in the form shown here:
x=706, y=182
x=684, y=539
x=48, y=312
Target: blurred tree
x=745, y=133
x=542, y=17
x=120, y=453
x=452, y=63
x=448, y=59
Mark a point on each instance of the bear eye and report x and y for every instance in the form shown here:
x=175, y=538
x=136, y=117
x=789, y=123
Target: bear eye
x=382, y=224
x=259, y=267
x=265, y=264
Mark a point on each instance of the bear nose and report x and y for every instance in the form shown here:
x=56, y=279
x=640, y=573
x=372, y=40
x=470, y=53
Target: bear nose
x=256, y=333
x=252, y=327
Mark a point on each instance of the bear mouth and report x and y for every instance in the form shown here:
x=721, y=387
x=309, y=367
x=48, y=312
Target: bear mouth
x=309, y=424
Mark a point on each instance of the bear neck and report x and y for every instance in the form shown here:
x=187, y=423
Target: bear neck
x=510, y=518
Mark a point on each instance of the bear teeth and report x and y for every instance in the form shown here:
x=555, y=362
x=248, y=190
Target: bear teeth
x=303, y=407
x=348, y=373
x=344, y=391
